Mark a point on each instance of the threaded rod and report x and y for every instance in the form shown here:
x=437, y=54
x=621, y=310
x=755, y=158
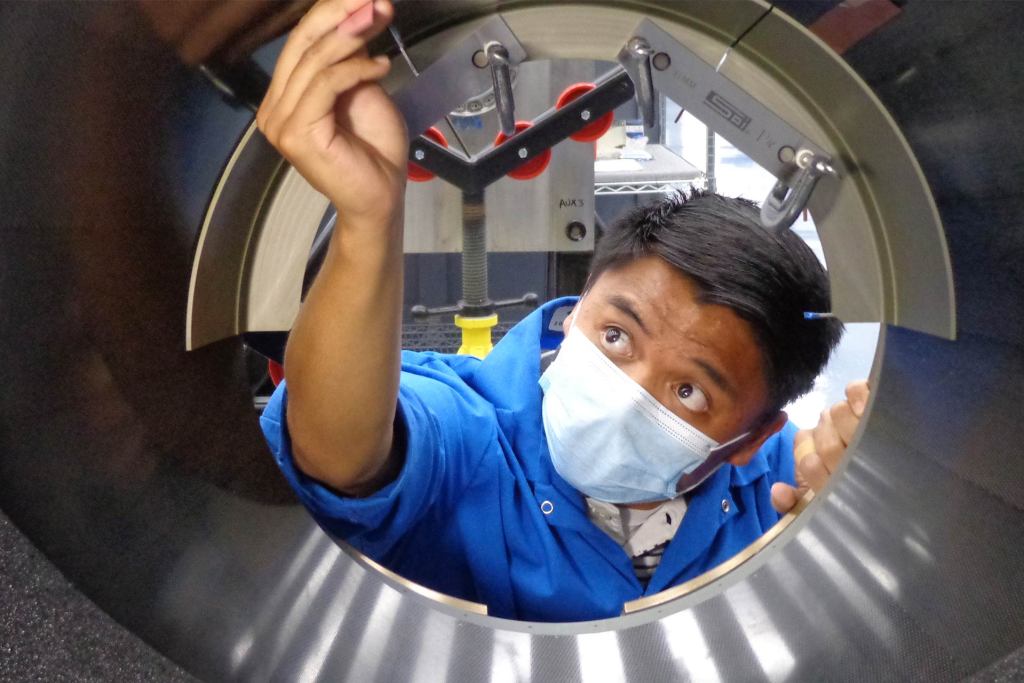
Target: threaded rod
x=474, y=250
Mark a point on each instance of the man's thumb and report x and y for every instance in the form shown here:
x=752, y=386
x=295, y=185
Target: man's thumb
x=785, y=497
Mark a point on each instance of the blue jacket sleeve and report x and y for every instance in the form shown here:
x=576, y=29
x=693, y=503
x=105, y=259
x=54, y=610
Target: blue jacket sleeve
x=447, y=429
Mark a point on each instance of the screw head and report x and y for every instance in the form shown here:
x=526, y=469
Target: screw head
x=575, y=231
x=786, y=154
x=419, y=154
x=638, y=46
x=522, y=152
x=585, y=114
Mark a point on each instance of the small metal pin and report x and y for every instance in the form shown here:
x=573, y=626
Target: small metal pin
x=741, y=36
x=725, y=56
x=401, y=48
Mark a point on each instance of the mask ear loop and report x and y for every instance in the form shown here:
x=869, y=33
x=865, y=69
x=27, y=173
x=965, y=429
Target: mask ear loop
x=579, y=303
x=717, y=457
x=572, y=324
x=576, y=310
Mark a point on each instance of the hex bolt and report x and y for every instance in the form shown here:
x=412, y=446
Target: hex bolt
x=585, y=114
x=419, y=154
x=575, y=231
x=474, y=250
x=523, y=153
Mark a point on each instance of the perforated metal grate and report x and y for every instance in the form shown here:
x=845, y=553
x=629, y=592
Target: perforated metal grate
x=442, y=337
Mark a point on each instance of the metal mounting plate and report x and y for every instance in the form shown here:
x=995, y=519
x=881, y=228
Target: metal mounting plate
x=453, y=80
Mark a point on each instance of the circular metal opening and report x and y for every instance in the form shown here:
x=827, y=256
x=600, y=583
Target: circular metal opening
x=784, y=68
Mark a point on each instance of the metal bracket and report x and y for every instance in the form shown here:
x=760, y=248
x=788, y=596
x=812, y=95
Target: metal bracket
x=498, y=59
x=452, y=80
x=724, y=107
x=635, y=58
x=555, y=125
x=786, y=201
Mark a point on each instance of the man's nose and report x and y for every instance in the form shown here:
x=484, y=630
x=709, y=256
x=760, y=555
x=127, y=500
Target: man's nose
x=646, y=376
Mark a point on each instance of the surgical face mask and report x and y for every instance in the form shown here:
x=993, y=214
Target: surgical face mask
x=611, y=440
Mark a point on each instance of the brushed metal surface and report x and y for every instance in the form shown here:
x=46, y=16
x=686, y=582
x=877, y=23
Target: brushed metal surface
x=138, y=469
x=879, y=216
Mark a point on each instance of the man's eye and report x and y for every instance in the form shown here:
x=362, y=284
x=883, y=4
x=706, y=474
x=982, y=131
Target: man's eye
x=692, y=397
x=615, y=339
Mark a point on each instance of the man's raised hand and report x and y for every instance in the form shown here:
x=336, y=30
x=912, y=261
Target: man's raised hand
x=819, y=451
x=328, y=116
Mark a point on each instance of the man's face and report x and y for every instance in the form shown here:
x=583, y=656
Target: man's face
x=701, y=361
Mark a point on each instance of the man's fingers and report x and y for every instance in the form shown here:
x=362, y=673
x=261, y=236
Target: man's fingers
x=325, y=17
x=844, y=420
x=818, y=452
x=812, y=470
x=827, y=443
x=803, y=443
x=332, y=48
x=857, y=394
x=325, y=88
x=784, y=497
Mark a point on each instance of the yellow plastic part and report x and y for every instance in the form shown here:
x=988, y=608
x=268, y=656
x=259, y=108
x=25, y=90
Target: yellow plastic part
x=476, y=335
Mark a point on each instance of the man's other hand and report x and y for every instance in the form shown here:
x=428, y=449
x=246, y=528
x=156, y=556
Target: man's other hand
x=819, y=451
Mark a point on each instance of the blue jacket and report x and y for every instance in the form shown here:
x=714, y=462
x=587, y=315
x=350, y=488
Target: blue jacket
x=478, y=511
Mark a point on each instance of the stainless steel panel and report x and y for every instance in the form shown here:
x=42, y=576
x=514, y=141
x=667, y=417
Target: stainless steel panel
x=720, y=104
x=443, y=85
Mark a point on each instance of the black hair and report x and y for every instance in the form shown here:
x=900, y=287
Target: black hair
x=770, y=280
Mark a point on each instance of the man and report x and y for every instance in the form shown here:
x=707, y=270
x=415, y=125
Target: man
x=551, y=495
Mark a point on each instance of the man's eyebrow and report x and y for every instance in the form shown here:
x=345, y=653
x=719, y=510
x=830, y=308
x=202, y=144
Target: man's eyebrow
x=627, y=307
x=716, y=376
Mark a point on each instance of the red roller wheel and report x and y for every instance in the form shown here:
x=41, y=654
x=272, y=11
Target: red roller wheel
x=532, y=168
x=597, y=128
x=276, y=371
x=416, y=172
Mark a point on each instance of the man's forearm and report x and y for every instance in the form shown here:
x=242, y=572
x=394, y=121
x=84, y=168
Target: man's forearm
x=342, y=360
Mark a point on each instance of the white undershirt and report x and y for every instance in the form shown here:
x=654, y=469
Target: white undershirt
x=642, y=534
